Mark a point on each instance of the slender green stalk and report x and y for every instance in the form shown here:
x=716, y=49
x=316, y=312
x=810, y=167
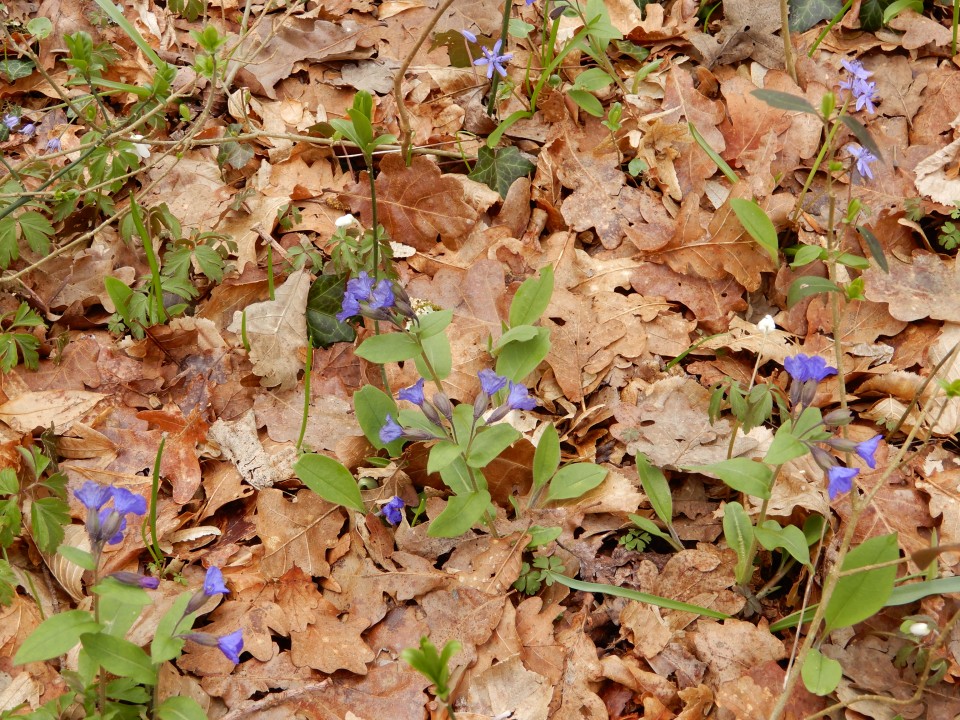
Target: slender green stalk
x=270, y=292
x=154, y=545
x=787, y=41
x=160, y=314
x=504, y=35
x=833, y=21
x=761, y=518
x=831, y=134
x=308, y=367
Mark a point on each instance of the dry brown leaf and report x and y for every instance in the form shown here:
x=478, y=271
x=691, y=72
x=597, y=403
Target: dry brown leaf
x=277, y=330
x=330, y=644
x=415, y=204
x=180, y=464
x=240, y=445
x=712, y=301
x=926, y=287
x=508, y=687
x=330, y=419
x=749, y=30
x=296, y=533
x=45, y=408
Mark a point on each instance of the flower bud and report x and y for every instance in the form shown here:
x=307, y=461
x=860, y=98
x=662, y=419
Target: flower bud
x=480, y=404
x=836, y=418
x=442, y=403
x=824, y=459
x=430, y=412
x=919, y=629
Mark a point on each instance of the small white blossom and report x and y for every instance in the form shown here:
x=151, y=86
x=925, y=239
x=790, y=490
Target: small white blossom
x=142, y=151
x=766, y=325
x=919, y=629
x=345, y=221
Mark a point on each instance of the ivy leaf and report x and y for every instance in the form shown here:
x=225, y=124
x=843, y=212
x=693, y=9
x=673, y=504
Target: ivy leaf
x=13, y=70
x=234, y=154
x=871, y=14
x=804, y=14
x=498, y=168
x=323, y=303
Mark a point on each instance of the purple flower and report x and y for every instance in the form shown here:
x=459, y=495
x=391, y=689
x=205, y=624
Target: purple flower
x=231, y=646
x=393, y=510
x=29, y=129
x=494, y=60
x=413, y=394
x=866, y=450
x=808, y=367
x=390, y=431
x=519, y=398
x=127, y=502
x=469, y=35
x=92, y=495
x=529, y=2
x=361, y=286
x=840, y=480
x=863, y=159
x=491, y=382
x=856, y=69
x=213, y=583
x=136, y=580
x=11, y=121
x=112, y=526
x=382, y=296
x=349, y=308
x=53, y=145
x=863, y=90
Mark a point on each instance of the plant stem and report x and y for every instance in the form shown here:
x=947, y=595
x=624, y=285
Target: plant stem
x=787, y=42
x=761, y=517
x=504, y=33
x=308, y=367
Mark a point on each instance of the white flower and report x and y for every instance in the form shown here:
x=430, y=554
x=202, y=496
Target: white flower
x=142, y=151
x=919, y=629
x=766, y=325
x=345, y=221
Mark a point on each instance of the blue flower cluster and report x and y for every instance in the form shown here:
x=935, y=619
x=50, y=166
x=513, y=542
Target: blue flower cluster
x=806, y=372
x=231, y=645
x=393, y=510
x=13, y=122
x=863, y=90
x=363, y=289
x=106, y=525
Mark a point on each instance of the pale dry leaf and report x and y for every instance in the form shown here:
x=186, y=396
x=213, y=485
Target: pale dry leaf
x=43, y=408
x=296, y=532
x=749, y=31
x=925, y=287
x=508, y=687
x=934, y=177
x=730, y=649
x=330, y=418
x=240, y=444
x=68, y=574
x=277, y=330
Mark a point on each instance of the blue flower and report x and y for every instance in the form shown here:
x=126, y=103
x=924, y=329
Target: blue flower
x=112, y=526
x=92, y=495
x=856, y=69
x=127, y=502
x=11, y=121
x=808, y=367
x=361, y=286
x=231, y=645
x=390, y=431
x=519, y=399
x=349, y=308
x=863, y=158
x=866, y=450
x=361, y=289
x=494, y=60
x=53, y=145
x=863, y=90
x=213, y=583
x=136, y=579
x=469, y=35
x=382, y=296
x=840, y=480
x=393, y=510
x=491, y=382
x=413, y=394
x=29, y=129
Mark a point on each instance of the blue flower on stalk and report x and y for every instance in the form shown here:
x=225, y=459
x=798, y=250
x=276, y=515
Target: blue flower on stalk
x=390, y=431
x=393, y=510
x=863, y=90
x=840, y=480
x=808, y=367
x=29, y=129
x=490, y=382
x=382, y=295
x=519, y=398
x=494, y=60
x=11, y=121
x=135, y=580
x=413, y=394
x=863, y=158
x=92, y=495
x=469, y=35
x=53, y=145
x=127, y=502
x=231, y=645
x=213, y=583
x=867, y=449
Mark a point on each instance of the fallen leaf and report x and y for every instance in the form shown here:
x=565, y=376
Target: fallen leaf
x=240, y=445
x=296, y=532
x=46, y=408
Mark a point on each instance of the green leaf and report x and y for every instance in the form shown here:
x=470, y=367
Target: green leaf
x=8, y=583
x=546, y=459
x=806, y=255
x=790, y=538
x=520, y=333
x=330, y=480
x=47, y=517
x=804, y=14
x=898, y=6
x=9, y=250
x=649, y=526
x=489, y=443
x=13, y=70
x=542, y=535
x=708, y=149
x=785, y=446
x=500, y=167
x=437, y=350
x=593, y=79
x=78, y=557
x=55, y=636
x=589, y=103
x=433, y=323
x=391, y=347
x=120, y=605
x=516, y=359
x=871, y=15
x=371, y=406
x=809, y=285
x=861, y=595
x=656, y=487
x=738, y=532
x=785, y=101
x=863, y=135
x=876, y=249
x=742, y=474
x=36, y=230
x=323, y=303
x=235, y=154
x=756, y=222
x=120, y=657
x=456, y=476
x=574, y=480
x=616, y=591
x=441, y=455
x=820, y=674
x=9, y=484
x=460, y=514
x=532, y=298
x=180, y=707
x=166, y=646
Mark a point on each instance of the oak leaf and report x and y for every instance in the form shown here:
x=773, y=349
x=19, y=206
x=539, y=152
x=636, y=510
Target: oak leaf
x=180, y=464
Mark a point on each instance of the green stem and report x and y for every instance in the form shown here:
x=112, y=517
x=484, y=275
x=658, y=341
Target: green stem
x=833, y=21
x=787, y=42
x=504, y=30
x=752, y=550
x=816, y=165
x=956, y=20
x=160, y=314
x=306, y=394
x=270, y=292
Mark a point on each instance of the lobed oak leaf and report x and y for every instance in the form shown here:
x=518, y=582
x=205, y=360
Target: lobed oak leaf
x=180, y=464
